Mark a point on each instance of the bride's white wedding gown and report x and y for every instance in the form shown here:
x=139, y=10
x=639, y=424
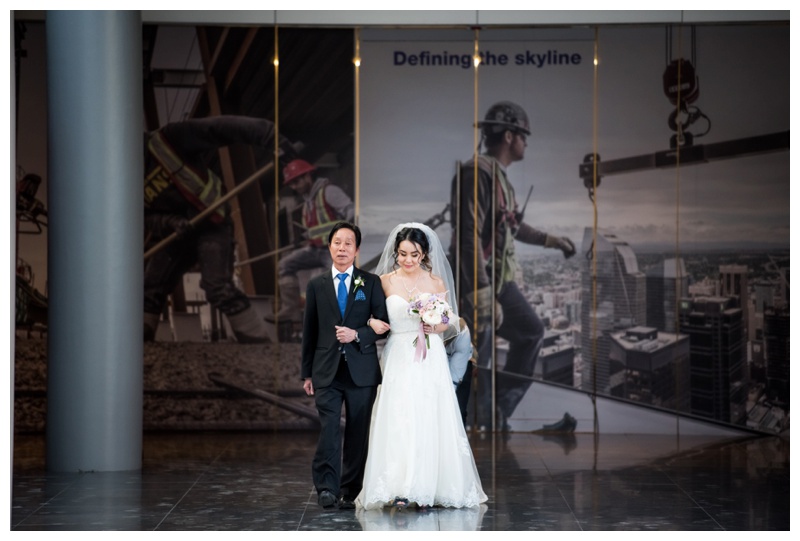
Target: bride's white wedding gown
x=418, y=448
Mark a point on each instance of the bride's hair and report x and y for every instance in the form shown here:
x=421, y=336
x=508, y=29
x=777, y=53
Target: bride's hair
x=417, y=237
x=434, y=260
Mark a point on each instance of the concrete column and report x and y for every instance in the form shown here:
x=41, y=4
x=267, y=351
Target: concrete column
x=95, y=247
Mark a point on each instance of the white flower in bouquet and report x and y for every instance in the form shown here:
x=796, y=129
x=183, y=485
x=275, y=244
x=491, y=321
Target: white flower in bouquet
x=432, y=309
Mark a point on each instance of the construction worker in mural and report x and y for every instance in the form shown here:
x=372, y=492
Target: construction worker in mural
x=324, y=204
x=504, y=133
x=179, y=185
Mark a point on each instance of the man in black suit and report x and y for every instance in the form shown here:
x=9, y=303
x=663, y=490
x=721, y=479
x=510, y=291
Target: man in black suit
x=340, y=365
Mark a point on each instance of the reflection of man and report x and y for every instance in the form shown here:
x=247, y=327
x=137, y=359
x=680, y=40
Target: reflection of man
x=340, y=365
x=504, y=133
x=324, y=204
x=178, y=186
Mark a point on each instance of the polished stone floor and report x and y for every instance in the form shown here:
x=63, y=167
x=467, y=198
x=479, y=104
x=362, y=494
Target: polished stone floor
x=261, y=481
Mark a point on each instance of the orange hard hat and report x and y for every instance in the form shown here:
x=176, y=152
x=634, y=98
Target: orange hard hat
x=296, y=168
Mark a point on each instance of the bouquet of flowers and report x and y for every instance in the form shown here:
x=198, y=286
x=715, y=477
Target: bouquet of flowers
x=432, y=308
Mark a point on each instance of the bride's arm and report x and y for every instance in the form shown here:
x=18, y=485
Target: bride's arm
x=378, y=325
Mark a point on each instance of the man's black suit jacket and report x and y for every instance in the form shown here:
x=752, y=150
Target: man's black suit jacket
x=321, y=350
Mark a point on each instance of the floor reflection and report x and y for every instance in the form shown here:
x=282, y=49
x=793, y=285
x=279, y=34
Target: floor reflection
x=467, y=519
x=547, y=482
x=567, y=441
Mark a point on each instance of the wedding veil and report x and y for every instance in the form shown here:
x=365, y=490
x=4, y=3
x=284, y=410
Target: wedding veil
x=439, y=263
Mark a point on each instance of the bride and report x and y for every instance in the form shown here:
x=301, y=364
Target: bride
x=419, y=453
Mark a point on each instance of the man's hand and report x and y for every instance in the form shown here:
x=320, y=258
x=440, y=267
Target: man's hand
x=308, y=387
x=345, y=335
x=180, y=225
x=562, y=243
x=288, y=150
x=163, y=225
x=485, y=300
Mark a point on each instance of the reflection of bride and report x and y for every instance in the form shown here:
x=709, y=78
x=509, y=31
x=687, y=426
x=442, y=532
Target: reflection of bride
x=418, y=450
x=467, y=519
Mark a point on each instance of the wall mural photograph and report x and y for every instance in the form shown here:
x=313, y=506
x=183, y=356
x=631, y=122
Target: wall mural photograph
x=614, y=203
x=223, y=233
x=678, y=299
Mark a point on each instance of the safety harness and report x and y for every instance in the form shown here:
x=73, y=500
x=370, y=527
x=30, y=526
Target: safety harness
x=200, y=190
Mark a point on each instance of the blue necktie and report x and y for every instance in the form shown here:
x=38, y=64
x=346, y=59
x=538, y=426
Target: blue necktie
x=342, y=292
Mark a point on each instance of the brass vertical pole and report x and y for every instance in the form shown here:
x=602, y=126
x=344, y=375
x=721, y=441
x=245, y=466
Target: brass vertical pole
x=678, y=274
x=276, y=172
x=357, y=123
x=594, y=232
x=276, y=176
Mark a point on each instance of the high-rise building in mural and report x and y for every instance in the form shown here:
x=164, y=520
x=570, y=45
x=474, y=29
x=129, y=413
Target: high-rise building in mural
x=666, y=283
x=613, y=301
x=776, y=343
x=717, y=361
x=765, y=295
x=573, y=311
x=556, y=359
x=651, y=367
x=784, y=287
x=733, y=282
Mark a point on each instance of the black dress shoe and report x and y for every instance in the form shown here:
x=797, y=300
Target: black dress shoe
x=566, y=424
x=346, y=503
x=326, y=499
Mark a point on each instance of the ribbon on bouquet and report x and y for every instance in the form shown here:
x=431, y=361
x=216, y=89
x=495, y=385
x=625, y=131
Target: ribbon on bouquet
x=422, y=350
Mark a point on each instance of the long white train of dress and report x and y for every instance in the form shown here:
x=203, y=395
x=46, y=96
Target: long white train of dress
x=418, y=448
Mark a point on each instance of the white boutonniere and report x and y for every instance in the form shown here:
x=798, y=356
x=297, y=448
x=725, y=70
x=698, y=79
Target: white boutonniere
x=359, y=281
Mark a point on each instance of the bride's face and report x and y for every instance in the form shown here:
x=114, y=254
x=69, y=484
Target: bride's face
x=409, y=256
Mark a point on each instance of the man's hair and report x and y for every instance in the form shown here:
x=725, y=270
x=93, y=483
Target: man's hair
x=492, y=140
x=345, y=225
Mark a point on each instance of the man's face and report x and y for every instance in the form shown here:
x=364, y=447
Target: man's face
x=343, y=248
x=302, y=184
x=519, y=142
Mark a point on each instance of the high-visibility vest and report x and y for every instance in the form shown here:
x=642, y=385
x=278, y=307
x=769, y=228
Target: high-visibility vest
x=506, y=226
x=200, y=189
x=319, y=219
